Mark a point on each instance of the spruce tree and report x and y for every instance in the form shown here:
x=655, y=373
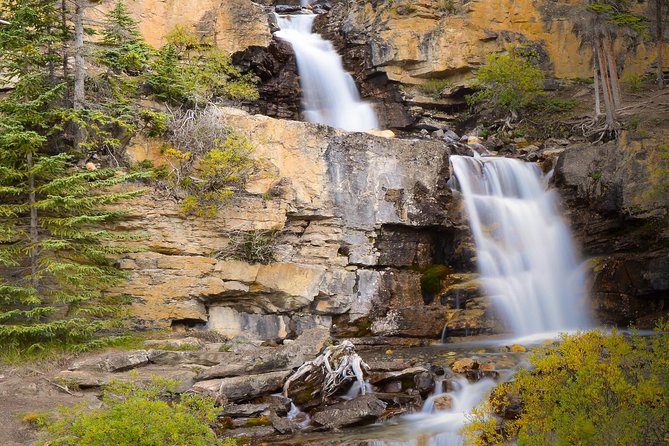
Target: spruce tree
x=56, y=256
x=124, y=48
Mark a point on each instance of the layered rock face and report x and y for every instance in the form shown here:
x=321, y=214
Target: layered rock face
x=358, y=219
x=618, y=205
x=233, y=25
x=410, y=42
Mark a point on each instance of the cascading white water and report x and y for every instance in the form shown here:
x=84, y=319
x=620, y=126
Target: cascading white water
x=525, y=252
x=434, y=428
x=329, y=94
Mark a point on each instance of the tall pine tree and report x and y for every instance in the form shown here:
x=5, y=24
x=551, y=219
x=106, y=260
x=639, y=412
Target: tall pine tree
x=56, y=256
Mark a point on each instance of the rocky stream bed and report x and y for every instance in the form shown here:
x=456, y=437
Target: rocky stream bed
x=247, y=380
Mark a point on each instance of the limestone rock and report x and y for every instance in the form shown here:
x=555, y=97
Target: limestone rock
x=91, y=379
x=243, y=410
x=244, y=388
x=611, y=192
x=265, y=359
x=234, y=25
x=464, y=365
x=115, y=362
x=340, y=199
x=364, y=409
x=190, y=342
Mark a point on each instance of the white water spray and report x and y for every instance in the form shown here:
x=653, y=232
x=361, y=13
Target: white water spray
x=434, y=428
x=329, y=94
x=525, y=252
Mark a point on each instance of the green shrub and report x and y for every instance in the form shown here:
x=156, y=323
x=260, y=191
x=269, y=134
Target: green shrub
x=138, y=416
x=660, y=172
x=592, y=388
x=507, y=83
x=212, y=179
x=434, y=87
x=554, y=105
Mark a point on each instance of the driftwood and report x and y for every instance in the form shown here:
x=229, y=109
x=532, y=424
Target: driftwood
x=335, y=367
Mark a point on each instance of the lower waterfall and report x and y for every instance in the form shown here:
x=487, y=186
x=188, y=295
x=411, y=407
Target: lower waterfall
x=528, y=267
x=525, y=253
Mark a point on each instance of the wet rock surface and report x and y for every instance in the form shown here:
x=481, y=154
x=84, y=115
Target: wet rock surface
x=619, y=214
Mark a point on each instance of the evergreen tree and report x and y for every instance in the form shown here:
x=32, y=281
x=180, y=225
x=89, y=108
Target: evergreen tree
x=54, y=255
x=124, y=47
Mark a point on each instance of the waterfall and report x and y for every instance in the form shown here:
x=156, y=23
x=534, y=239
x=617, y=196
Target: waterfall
x=525, y=252
x=329, y=94
x=434, y=428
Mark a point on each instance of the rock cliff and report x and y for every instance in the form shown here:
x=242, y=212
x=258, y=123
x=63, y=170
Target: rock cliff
x=358, y=219
x=618, y=208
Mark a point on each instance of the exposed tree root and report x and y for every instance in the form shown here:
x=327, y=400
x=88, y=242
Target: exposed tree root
x=595, y=128
x=337, y=366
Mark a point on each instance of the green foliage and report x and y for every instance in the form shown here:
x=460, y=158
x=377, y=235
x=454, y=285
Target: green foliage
x=205, y=181
x=633, y=82
x=616, y=12
x=125, y=50
x=583, y=81
x=592, y=388
x=447, y=6
x=55, y=253
x=138, y=416
x=56, y=256
x=187, y=70
x=660, y=172
x=507, y=83
x=552, y=105
x=155, y=122
x=434, y=87
x=430, y=280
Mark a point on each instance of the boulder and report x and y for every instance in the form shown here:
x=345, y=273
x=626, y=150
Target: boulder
x=114, y=362
x=364, y=409
x=464, y=365
x=245, y=388
x=243, y=410
x=265, y=359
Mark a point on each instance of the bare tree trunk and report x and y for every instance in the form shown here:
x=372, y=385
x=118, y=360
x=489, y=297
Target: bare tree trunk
x=598, y=100
x=607, y=45
x=64, y=30
x=606, y=87
x=79, y=68
x=659, y=5
x=34, y=233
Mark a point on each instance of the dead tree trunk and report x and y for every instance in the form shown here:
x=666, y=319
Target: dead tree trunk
x=659, y=16
x=612, y=66
x=598, y=99
x=79, y=95
x=34, y=231
x=606, y=85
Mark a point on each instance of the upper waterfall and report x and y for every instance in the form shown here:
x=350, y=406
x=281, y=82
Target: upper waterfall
x=329, y=94
x=525, y=252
